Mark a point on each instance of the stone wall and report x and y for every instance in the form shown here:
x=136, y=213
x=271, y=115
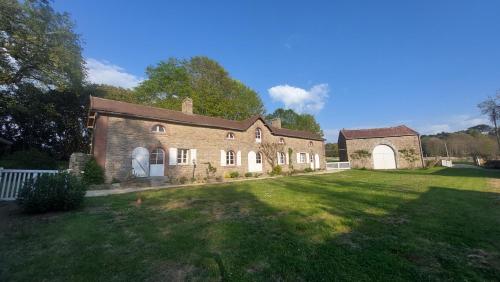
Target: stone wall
x=125, y=134
x=77, y=162
x=396, y=143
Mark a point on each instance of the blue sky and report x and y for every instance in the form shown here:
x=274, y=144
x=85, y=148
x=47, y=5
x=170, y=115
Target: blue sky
x=353, y=64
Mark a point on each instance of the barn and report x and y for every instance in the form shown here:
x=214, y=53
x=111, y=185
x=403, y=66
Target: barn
x=381, y=148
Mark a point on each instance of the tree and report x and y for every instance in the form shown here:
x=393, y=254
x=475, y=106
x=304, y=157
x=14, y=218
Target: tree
x=270, y=151
x=491, y=108
x=38, y=46
x=213, y=91
x=111, y=92
x=332, y=150
x=292, y=120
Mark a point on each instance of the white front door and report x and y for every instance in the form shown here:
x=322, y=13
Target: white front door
x=316, y=161
x=254, y=162
x=157, y=163
x=383, y=157
x=140, y=162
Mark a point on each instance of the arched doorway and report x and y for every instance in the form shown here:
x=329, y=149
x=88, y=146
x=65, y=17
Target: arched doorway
x=157, y=162
x=383, y=157
x=140, y=162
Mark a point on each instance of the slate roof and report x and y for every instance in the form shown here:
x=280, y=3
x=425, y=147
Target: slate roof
x=113, y=107
x=401, y=130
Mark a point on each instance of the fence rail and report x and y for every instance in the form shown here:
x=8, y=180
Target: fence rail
x=338, y=165
x=11, y=180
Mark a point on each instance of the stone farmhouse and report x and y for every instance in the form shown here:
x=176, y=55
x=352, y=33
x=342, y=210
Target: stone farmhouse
x=135, y=140
x=381, y=148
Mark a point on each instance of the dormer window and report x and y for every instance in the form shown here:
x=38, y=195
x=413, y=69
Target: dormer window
x=258, y=135
x=230, y=136
x=282, y=141
x=158, y=129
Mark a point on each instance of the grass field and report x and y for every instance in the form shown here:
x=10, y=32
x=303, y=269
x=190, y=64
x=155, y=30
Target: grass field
x=438, y=224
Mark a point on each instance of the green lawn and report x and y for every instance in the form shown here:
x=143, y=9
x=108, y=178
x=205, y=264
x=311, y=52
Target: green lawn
x=439, y=224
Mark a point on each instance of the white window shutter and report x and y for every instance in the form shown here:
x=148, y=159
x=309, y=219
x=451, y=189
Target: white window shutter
x=222, y=158
x=287, y=158
x=172, y=156
x=238, y=158
x=298, y=158
x=192, y=152
x=307, y=158
x=278, y=157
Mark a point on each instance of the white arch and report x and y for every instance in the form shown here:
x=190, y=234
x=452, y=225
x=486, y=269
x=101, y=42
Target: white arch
x=384, y=157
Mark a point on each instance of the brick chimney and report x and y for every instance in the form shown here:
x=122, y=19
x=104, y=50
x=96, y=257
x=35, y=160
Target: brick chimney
x=276, y=122
x=187, y=106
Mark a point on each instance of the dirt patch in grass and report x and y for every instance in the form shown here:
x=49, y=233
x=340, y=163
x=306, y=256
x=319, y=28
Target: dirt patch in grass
x=171, y=271
x=483, y=259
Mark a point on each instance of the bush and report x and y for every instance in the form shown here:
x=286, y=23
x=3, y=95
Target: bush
x=494, y=164
x=234, y=174
x=183, y=180
x=56, y=192
x=93, y=173
x=308, y=169
x=276, y=170
x=29, y=159
x=248, y=174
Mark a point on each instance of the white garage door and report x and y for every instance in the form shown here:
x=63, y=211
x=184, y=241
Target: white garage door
x=383, y=157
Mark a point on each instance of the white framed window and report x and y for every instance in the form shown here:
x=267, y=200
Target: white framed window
x=182, y=156
x=230, y=136
x=258, y=135
x=157, y=156
x=158, y=128
x=302, y=158
x=311, y=143
x=282, y=141
x=230, y=158
x=258, y=158
x=281, y=158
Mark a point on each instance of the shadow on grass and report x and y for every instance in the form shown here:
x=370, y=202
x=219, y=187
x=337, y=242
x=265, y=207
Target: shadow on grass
x=453, y=172
x=310, y=228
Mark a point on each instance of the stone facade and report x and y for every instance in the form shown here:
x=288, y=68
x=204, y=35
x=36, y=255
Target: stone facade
x=397, y=143
x=124, y=134
x=77, y=162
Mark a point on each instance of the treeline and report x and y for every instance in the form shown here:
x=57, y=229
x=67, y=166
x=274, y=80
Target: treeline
x=44, y=93
x=477, y=141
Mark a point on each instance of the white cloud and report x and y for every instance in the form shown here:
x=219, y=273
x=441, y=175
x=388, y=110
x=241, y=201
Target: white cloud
x=103, y=72
x=453, y=124
x=299, y=99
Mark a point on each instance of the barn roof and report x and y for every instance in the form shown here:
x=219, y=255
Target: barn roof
x=401, y=130
x=113, y=107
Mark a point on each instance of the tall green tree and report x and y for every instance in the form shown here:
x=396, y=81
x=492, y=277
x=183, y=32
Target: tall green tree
x=292, y=120
x=38, y=45
x=213, y=91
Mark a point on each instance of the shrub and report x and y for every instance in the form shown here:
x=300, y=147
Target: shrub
x=257, y=175
x=57, y=192
x=248, y=174
x=29, y=159
x=495, y=164
x=276, y=170
x=234, y=174
x=308, y=169
x=183, y=180
x=93, y=173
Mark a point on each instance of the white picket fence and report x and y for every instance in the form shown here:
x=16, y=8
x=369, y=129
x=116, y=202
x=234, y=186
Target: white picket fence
x=11, y=180
x=338, y=165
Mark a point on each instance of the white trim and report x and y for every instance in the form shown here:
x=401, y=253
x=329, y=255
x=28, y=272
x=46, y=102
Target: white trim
x=193, y=156
x=222, y=158
x=172, y=156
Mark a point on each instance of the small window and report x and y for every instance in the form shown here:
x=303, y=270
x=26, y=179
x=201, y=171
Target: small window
x=182, y=156
x=230, y=158
x=282, y=141
x=311, y=143
x=158, y=129
x=281, y=158
x=258, y=158
x=303, y=158
x=258, y=134
x=230, y=136
x=157, y=156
